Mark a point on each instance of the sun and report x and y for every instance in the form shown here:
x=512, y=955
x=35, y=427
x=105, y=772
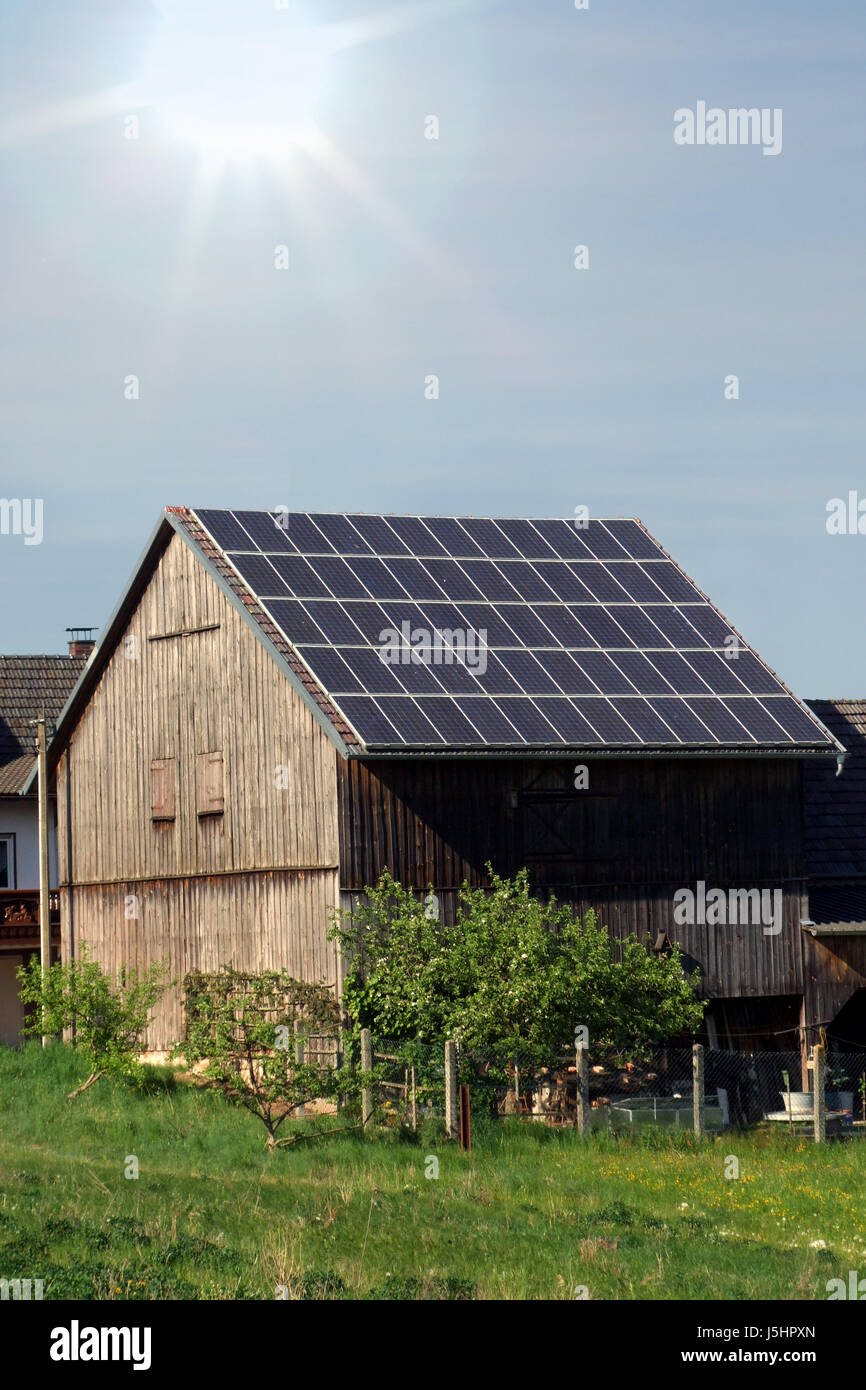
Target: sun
x=237, y=94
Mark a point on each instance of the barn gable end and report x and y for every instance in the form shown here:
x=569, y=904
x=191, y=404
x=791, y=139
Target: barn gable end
x=197, y=798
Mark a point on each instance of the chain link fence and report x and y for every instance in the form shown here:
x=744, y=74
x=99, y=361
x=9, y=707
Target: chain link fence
x=628, y=1088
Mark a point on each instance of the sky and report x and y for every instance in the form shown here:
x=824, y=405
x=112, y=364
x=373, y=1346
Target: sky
x=198, y=312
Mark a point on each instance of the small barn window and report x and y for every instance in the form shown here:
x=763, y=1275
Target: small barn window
x=162, y=789
x=209, y=785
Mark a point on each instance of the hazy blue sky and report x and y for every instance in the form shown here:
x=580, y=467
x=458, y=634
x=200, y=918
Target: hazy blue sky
x=410, y=256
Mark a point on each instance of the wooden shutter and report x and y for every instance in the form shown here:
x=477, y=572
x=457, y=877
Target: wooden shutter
x=162, y=788
x=209, y=785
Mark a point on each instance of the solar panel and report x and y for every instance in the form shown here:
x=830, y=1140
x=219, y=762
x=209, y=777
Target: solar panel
x=331, y=670
x=337, y=577
x=641, y=716
x=261, y=576
x=601, y=584
x=452, y=536
x=528, y=673
x=408, y=719
x=291, y=616
x=680, y=673
x=564, y=626
x=568, y=674
x=592, y=636
x=489, y=539
x=633, y=539
x=637, y=583
x=381, y=538
x=418, y=537
x=226, y=530
x=344, y=537
x=528, y=719
x=491, y=580
x=452, y=580
x=491, y=723
x=719, y=720
x=719, y=673
x=526, y=540
x=642, y=673
x=415, y=578
x=760, y=724
x=305, y=534
x=297, y=573
x=599, y=542
x=673, y=583
x=333, y=620
x=267, y=531
x=528, y=581
x=683, y=720
x=564, y=539
x=606, y=674
x=376, y=577
x=566, y=582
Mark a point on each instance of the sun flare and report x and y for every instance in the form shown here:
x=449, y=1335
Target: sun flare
x=237, y=95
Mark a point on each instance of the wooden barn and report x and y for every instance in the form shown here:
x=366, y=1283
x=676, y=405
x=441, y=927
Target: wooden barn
x=282, y=706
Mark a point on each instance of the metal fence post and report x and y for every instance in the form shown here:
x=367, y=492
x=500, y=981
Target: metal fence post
x=698, y=1090
x=582, y=1068
x=366, y=1066
x=301, y=1110
x=819, y=1078
x=451, y=1089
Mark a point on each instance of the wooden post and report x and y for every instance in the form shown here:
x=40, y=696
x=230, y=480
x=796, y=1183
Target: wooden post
x=44, y=898
x=414, y=1101
x=819, y=1064
x=301, y=1110
x=582, y=1067
x=698, y=1090
x=366, y=1066
x=451, y=1090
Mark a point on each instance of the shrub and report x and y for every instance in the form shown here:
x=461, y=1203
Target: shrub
x=107, y=1017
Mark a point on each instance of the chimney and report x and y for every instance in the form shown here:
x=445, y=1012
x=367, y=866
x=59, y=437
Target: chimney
x=81, y=641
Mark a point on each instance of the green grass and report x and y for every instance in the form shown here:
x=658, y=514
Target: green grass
x=531, y=1213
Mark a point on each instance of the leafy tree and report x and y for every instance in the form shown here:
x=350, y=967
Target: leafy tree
x=244, y=1028
x=107, y=1017
x=513, y=974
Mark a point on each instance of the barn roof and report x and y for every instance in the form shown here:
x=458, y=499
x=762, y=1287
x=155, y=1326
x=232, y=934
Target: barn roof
x=29, y=686
x=594, y=641
x=576, y=638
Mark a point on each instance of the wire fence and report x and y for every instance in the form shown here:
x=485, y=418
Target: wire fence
x=627, y=1088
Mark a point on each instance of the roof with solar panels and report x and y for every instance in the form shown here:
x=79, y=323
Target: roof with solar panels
x=578, y=637
x=542, y=637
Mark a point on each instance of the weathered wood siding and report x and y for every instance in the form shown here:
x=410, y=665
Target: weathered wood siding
x=642, y=830
x=250, y=886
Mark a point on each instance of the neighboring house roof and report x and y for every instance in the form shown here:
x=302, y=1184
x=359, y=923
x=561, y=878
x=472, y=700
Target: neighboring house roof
x=29, y=687
x=835, y=817
x=597, y=642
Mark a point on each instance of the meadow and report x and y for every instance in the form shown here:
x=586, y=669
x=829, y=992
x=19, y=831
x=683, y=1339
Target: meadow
x=531, y=1213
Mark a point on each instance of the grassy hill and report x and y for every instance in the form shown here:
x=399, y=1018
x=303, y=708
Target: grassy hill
x=531, y=1213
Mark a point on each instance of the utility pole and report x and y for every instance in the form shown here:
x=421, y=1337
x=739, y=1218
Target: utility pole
x=44, y=901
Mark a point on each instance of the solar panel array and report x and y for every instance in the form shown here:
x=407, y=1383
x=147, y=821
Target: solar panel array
x=575, y=637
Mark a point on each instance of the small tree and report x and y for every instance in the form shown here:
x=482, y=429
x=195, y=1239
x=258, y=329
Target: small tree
x=244, y=1028
x=513, y=974
x=107, y=1017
